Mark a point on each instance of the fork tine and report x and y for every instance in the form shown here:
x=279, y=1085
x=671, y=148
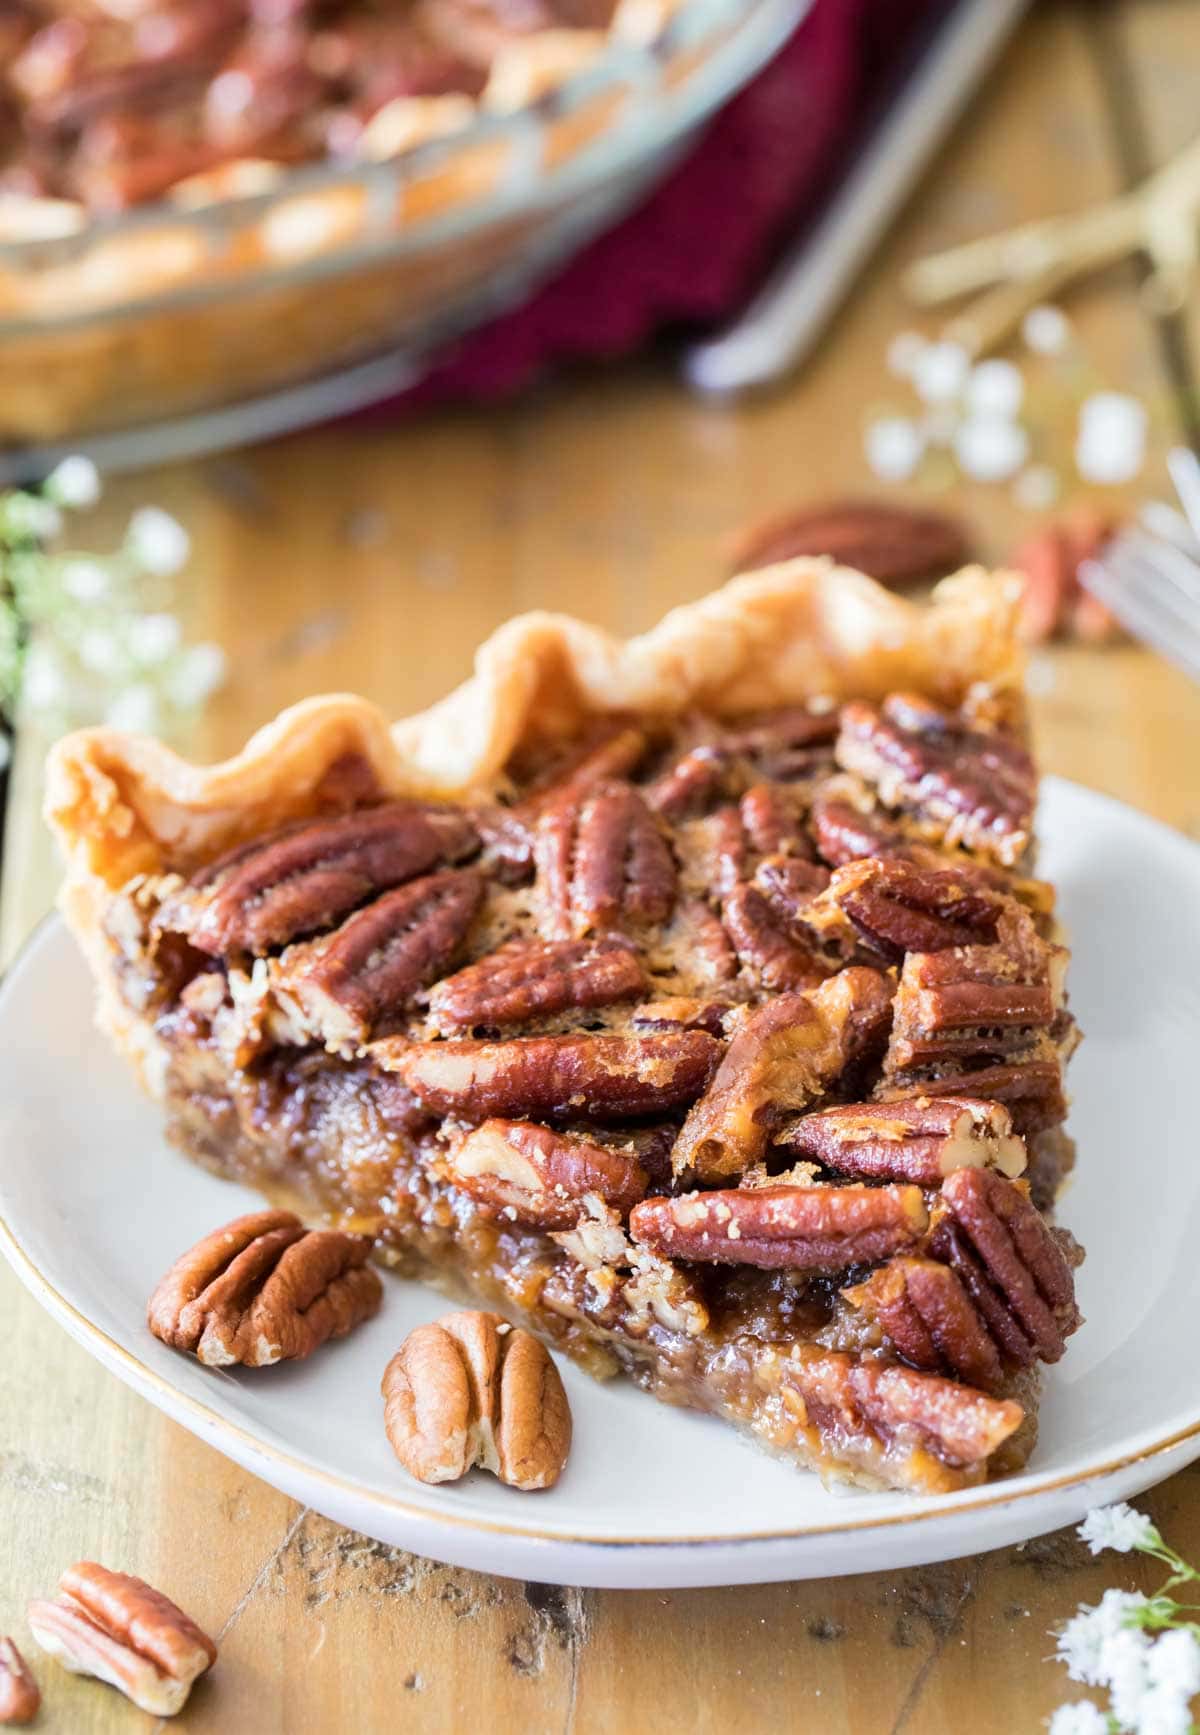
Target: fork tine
x=1155, y=610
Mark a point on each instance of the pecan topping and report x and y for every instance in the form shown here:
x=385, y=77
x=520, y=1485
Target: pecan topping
x=602, y=863
x=917, y=1138
x=306, y=878
x=20, y=1699
x=1011, y=1265
x=682, y=1012
x=973, y=1007
x=532, y=1175
x=806, y=1228
x=1032, y=1089
x=792, y=743
x=507, y=844
x=964, y=785
x=470, y=1390
x=897, y=907
x=265, y=1289
x=534, y=978
x=924, y=1310
x=789, y=884
x=116, y=1627
x=891, y=544
x=704, y=942
x=772, y=822
x=608, y=1077
x=612, y=752
x=787, y=1053
x=688, y=783
x=340, y=986
x=764, y=945
x=844, y=833
x=963, y=1427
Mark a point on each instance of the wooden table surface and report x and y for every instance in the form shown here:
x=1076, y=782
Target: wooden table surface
x=376, y=562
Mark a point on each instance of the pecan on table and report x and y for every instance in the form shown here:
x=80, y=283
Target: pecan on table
x=923, y=1309
x=306, y=878
x=265, y=1289
x=605, y=1077
x=815, y=1228
x=528, y=979
x=20, y=1698
x=340, y=986
x=1012, y=1265
x=532, y=1175
x=787, y=1054
x=918, y=1138
x=470, y=1390
x=116, y=1627
x=961, y=785
x=892, y=544
x=894, y=907
x=961, y=1426
x=602, y=863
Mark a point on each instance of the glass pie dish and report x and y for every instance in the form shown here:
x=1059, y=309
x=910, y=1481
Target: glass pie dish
x=308, y=292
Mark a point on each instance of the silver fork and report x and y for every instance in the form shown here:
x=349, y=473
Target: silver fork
x=1149, y=574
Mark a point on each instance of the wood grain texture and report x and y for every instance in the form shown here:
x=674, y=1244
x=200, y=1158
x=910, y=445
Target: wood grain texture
x=376, y=561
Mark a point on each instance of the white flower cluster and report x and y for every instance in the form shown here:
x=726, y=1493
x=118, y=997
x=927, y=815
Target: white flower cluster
x=95, y=649
x=973, y=414
x=1151, y=1678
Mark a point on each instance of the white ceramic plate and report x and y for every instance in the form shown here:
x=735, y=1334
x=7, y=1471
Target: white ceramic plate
x=93, y=1205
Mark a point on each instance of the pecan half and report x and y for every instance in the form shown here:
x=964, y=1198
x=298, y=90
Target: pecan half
x=533, y=979
x=972, y=1007
x=306, y=878
x=963, y=785
x=806, y=1228
x=789, y=884
x=764, y=944
x=843, y=832
x=20, y=1699
x=896, y=907
x=924, y=1310
x=613, y=750
x=847, y=1397
x=1031, y=1089
x=891, y=544
x=507, y=844
x=698, y=934
x=470, y=1390
x=791, y=744
x=526, y=1172
x=773, y=821
x=264, y=1289
x=116, y=1627
x=607, y=1077
x=917, y=1138
x=338, y=987
x=602, y=863
x=786, y=1054
x=688, y=783
x=1011, y=1265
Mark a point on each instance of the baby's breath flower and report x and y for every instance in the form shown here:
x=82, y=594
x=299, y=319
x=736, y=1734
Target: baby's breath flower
x=102, y=653
x=44, y=684
x=1175, y=1663
x=75, y=482
x=1118, y=1527
x=154, y=637
x=197, y=674
x=1126, y=1662
x=85, y=580
x=1081, y=1718
x=158, y=543
x=28, y=515
x=134, y=709
x=1084, y=1642
x=1163, y=1713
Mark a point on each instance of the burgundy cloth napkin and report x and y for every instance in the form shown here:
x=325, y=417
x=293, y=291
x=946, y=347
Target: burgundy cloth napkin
x=690, y=254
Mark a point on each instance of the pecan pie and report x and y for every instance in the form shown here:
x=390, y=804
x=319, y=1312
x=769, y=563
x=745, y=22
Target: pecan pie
x=691, y=1001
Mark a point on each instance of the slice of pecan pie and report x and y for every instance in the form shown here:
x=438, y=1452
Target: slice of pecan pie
x=690, y=1000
